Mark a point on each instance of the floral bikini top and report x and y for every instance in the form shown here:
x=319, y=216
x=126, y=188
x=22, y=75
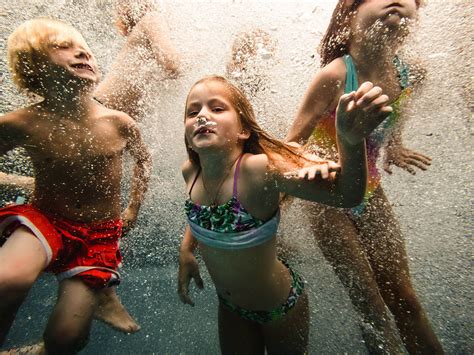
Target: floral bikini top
x=230, y=225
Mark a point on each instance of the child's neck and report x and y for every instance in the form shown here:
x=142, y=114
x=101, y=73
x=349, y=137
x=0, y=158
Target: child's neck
x=216, y=165
x=373, y=58
x=68, y=104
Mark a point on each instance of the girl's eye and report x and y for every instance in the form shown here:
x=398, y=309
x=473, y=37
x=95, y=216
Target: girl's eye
x=192, y=113
x=217, y=109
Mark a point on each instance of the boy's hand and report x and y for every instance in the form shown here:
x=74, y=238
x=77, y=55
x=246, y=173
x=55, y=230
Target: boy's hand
x=358, y=113
x=405, y=159
x=188, y=269
x=129, y=219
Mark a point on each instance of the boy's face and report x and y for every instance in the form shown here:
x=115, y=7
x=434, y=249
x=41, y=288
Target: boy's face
x=72, y=59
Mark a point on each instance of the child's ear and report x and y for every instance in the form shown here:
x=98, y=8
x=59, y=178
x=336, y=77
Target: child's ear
x=244, y=134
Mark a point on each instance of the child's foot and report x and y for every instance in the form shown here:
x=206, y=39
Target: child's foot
x=113, y=313
x=35, y=349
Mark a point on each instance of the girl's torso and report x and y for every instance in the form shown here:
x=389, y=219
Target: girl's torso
x=243, y=264
x=324, y=134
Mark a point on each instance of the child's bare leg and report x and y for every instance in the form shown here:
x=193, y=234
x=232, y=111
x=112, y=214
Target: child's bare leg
x=238, y=335
x=112, y=312
x=69, y=325
x=386, y=251
x=338, y=240
x=290, y=334
x=35, y=349
x=22, y=258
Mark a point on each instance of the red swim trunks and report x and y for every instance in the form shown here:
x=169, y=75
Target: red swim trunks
x=89, y=251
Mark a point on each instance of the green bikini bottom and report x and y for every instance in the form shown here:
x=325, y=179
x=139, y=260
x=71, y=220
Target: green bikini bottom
x=297, y=287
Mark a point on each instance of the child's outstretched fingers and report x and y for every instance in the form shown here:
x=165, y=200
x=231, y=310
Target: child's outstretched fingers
x=405, y=159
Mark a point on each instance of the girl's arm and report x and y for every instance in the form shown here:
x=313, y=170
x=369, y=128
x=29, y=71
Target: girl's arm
x=188, y=267
x=357, y=115
x=319, y=99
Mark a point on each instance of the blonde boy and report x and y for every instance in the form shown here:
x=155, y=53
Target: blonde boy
x=73, y=225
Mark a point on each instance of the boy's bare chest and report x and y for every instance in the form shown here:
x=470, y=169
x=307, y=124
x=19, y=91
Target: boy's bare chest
x=72, y=142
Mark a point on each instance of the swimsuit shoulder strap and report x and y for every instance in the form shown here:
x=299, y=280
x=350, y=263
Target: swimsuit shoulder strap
x=403, y=72
x=194, y=181
x=352, y=83
x=236, y=176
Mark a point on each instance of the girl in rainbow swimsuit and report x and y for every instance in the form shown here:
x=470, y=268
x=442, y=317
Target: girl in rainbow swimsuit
x=365, y=244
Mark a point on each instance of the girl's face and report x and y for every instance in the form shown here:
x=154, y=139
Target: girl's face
x=390, y=13
x=211, y=121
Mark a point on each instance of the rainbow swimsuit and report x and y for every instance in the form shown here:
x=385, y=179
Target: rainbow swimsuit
x=324, y=134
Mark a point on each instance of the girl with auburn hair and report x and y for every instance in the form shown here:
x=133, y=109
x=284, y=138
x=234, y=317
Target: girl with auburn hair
x=234, y=176
x=365, y=244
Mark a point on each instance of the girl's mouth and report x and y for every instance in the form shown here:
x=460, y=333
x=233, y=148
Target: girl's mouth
x=203, y=130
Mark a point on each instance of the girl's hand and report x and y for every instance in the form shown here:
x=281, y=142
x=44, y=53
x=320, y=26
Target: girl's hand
x=188, y=269
x=404, y=158
x=358, y=113
x=325, y=169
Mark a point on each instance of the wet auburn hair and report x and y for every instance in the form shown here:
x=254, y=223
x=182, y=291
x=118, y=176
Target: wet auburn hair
x=335, y=42
x=259, y=142
x=29, y=44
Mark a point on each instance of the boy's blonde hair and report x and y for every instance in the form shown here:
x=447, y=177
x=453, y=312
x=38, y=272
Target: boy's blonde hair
x=28, y=45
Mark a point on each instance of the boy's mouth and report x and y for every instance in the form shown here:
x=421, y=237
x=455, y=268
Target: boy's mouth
x=84, y=66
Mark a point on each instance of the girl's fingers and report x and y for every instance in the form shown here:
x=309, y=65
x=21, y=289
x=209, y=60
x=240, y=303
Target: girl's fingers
x=198, y=279
x=363, y=89
x=369, y=97
x=416, y=163
x=312, y=173
x=420, y=157
x=344, y=101
x=324, y=169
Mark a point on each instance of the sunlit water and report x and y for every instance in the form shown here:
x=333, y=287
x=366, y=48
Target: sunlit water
x=434, y=207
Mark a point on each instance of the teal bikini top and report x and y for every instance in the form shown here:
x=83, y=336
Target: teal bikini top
x=230, y=225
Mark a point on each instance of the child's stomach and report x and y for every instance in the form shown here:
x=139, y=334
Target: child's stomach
x=251, y=278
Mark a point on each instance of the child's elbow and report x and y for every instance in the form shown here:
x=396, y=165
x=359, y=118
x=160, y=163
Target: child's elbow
x=352, y=200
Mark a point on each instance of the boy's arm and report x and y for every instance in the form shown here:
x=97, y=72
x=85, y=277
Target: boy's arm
x=141, y=174
x=318, y=99
x=153, y=26
x=17, y=181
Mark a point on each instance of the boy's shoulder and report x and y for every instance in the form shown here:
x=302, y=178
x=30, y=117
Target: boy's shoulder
x=20, y=117
x=121, y=119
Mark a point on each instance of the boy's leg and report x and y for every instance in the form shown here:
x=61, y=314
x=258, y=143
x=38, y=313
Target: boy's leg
x=112, y=312
x=69, y=325
x=385, y=247
x=22, y=258
x=338, y=239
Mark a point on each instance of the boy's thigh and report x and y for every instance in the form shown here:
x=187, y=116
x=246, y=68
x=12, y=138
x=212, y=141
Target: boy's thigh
x=23, y=254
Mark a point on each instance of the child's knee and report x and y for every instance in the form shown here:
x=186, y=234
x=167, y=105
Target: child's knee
x=64, y=339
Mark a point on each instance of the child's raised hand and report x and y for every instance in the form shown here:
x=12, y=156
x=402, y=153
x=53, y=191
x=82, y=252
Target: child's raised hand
x=358, y=113
x=405, y=159
x=188, y=269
